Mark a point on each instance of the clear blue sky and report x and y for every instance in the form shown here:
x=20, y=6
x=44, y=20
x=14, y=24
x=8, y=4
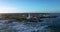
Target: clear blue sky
x=39, y=6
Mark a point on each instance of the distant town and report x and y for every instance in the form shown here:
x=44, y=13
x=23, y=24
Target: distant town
x=25, y=16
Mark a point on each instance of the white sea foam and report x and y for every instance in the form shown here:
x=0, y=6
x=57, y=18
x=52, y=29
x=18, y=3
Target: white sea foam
x=23, y=26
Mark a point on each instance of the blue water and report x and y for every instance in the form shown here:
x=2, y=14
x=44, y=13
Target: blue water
x=47, y=25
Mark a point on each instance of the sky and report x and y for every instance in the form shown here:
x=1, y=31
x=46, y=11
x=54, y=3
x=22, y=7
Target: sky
x=29, y=6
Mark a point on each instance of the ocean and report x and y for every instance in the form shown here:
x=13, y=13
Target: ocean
x=47, y=25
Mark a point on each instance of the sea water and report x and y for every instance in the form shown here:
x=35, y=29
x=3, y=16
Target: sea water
x=18, y=26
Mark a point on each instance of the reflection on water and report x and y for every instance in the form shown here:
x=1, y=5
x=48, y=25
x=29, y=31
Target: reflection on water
x=43, y=26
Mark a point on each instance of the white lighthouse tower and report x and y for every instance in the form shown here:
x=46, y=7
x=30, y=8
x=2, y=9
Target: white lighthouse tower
x=29, y=16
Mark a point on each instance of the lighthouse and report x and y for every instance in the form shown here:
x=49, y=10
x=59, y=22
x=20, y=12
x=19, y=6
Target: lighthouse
x=29, y=16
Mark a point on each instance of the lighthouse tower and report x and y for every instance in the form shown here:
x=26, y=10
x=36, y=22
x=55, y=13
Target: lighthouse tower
x=29, y=16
